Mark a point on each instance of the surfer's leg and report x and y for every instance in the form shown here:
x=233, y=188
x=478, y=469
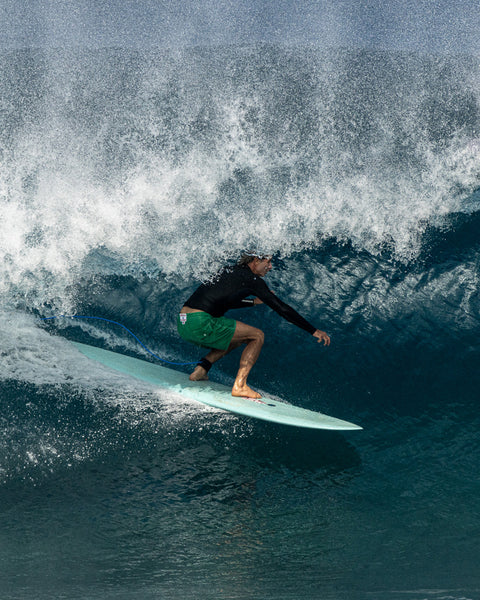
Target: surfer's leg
x=244, y=334
x=216, y=334
x=200, y=372
x=253, y=337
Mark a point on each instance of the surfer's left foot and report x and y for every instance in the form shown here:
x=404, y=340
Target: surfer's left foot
x=199, y=374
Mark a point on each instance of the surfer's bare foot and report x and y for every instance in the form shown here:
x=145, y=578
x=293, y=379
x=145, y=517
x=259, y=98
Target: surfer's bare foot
x=199, y=374
x=244, y=392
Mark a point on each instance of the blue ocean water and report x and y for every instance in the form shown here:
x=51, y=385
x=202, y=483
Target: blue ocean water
x=127, y=177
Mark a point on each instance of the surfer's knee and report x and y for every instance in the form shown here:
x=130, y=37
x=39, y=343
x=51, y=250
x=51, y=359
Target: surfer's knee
x=245, y=334
x=259, y=336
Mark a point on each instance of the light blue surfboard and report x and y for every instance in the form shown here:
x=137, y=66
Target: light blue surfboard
x=214, y=394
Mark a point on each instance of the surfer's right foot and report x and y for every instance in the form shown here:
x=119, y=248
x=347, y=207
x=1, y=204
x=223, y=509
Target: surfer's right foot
x=244, y=392
x=199, y=374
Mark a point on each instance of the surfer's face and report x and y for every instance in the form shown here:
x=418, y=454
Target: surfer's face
x=261, y=266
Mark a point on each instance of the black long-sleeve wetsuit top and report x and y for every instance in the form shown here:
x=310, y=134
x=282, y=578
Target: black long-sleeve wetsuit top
x=230, y=289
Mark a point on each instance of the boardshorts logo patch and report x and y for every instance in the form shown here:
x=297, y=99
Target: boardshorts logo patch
x=183, y=318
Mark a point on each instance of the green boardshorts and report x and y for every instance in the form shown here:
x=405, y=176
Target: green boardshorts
x=202, y=329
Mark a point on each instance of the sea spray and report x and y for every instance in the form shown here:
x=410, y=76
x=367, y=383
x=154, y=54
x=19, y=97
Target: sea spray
x=125, y=152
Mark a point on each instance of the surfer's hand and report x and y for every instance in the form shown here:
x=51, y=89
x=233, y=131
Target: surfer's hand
x=257, y=301
x=322, y=337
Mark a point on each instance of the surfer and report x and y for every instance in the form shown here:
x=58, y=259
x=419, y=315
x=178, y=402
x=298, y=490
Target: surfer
x=201, y=321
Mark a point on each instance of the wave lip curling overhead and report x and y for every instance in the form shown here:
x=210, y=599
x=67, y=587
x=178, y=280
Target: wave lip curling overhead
x=172, y=162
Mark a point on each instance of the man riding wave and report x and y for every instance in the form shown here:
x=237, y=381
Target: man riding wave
x=201, y=321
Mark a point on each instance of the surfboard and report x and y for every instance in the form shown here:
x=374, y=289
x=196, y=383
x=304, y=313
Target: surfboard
x=213, y=394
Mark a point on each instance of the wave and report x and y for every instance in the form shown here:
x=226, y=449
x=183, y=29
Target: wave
x=171, y=162
x=128, y=177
